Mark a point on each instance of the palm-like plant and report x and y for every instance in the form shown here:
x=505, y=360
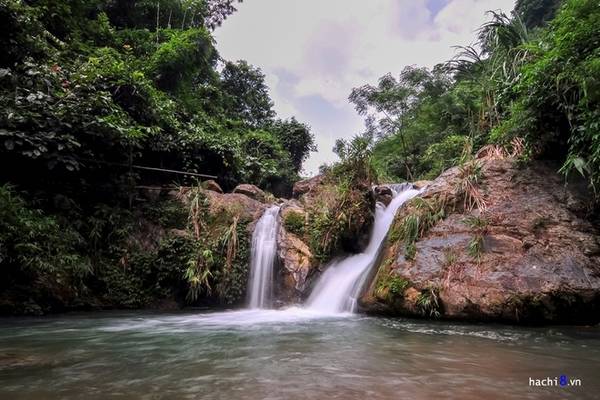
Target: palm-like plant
x=493, y=62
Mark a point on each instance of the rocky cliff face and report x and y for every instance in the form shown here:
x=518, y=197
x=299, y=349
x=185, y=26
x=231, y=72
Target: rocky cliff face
x=492, y=241
x=328, y=217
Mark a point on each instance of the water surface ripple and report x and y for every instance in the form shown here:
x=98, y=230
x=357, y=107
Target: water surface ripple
x=289, y=354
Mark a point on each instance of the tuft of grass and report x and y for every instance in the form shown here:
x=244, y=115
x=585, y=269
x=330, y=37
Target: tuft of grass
x=480, y=225
x=423, y=215
x=450, y=257
x=475, y=247
x=198, y=210
x=467, y=186
x=539, y=223
x=428, y=302
x=198, y=274
x=389, y=286
x=470, y=175
x=229, y=242
x=410, y=251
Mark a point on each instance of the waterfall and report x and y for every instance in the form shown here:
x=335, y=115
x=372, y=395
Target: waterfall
x=263, y=252
x=338, y=289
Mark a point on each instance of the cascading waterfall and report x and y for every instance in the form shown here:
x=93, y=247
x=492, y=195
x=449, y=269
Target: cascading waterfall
x=263, y=252
x=338, y=289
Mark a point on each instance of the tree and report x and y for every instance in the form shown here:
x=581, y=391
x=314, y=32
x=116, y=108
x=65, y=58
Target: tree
x=247, y=95
x=536, y=13
x=182, y=14
x=296, y=138
x=389, y=106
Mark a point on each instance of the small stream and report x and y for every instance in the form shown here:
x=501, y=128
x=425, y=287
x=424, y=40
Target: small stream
x=287, y=354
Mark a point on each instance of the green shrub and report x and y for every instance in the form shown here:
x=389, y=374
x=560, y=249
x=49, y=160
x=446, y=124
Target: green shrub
x=294, y=222
x=36, y=243
x=390, y=286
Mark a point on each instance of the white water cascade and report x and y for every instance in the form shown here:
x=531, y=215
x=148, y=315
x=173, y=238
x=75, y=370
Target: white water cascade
x=264, y=250
x=341, y=284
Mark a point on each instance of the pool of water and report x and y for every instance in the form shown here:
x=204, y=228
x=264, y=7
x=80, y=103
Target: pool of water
x=292, y=354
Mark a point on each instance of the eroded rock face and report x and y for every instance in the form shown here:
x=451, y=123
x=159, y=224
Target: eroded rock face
x=420, y=184
x=251, y=191
x=383, y=194
x=296, y=258
x=302, y=234
x=539, y=260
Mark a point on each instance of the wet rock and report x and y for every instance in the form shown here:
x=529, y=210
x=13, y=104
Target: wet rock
x=297, y=261
x=251, y=191
x=383, y=194
x=295, y=257
x=420, y=184
x=538, y=261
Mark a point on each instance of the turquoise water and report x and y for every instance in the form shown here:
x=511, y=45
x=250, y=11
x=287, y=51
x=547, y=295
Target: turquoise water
x=287, y=355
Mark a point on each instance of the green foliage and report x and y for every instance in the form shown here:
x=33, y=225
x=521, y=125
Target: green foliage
x=428, y=302
x=391, y=286
x=88, y=90
x=345, y=205
x=475, y=246
x=183, y=57
x=145, y=275
x=480, y=226
x=217, y=263
x=247, y=94
x=37, y=244
x=340, y=218
x=562, y=81
x=535, y=13
x=101, y=95
x=266, y=162
x=421, y=215
x=533, y=76
x=443, y=155
x=22, y=34
x=355, y=160
x=296, y=138
x=294, y=222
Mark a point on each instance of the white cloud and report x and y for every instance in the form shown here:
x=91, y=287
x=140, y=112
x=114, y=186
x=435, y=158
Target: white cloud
x=316, y=51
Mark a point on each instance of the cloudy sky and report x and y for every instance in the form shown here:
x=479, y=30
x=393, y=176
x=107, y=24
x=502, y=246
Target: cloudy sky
x=313, y=52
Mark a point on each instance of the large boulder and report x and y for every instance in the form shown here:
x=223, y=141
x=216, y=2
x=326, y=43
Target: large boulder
x=383, y=194
x=212, y=185
x=528, y=253
x=328, y=219
x=306, y=185
x=251, y=191
x=296, y=259
x=222, y=205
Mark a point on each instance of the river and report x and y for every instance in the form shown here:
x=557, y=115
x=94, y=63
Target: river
x=290, y=354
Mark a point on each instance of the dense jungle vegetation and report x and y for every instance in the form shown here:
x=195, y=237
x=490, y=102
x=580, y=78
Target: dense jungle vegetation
x=531, y=80
x=89, y=89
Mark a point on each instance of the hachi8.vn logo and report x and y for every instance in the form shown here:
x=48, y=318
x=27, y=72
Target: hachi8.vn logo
x=558, y=381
